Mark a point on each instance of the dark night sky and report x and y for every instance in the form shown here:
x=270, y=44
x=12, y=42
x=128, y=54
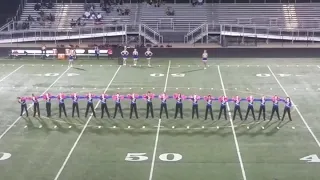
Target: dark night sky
x=8, y=9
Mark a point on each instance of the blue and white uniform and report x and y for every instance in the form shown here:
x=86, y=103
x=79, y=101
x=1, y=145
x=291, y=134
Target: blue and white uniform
x=135, y=55
x=124, y=55
x=205, y=56
x=148, y=55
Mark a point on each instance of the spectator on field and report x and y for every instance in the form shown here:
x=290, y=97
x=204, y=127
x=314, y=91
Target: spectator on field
x=37, y=7
x=170, y=11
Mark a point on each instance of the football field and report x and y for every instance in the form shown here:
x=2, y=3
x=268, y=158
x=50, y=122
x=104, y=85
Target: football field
x=161, y=149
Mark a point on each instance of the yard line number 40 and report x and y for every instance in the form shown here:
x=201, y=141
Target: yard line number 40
x=168, y=157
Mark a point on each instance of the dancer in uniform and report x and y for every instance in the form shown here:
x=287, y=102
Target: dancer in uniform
x=90, y=104
x=223, y=100
x=179, y=97
x=75, y=104
x=133, y=105
x=104, y=106
x=262, y=108
x=135, y=55
x=163, y=97
x=205, y=58
x=62, y=106
x=275, y=106
x=124, y=55
x=23, y=102
x=236, y=101
x=148, y=55
x=36, y=107
x=195, y=109
x=47, y=98
x=117, y=98
x=250, y=100
x=208, y=100
x=287, y=108
x=149, y=96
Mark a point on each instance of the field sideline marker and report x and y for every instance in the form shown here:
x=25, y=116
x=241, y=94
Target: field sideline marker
x=233, y=131
x=158, y=128
x=298, y=111
x=83, y=129
x=11, y=73
x=54, y=82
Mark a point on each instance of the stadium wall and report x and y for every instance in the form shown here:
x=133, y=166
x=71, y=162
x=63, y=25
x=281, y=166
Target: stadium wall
x=197, y=52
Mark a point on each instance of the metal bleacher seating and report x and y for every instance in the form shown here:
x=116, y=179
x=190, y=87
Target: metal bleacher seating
x=64, y=13
x=289, y=16
x=29, y=10
x=185, y=19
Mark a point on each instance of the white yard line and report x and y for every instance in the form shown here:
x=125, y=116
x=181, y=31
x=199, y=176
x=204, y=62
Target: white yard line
x=232, y=127
x=298, y=111
x=83, y=129
x=12, y=125
x=11, y=73
x=158, y=129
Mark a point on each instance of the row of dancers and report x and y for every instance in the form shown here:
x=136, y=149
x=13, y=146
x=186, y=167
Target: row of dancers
x=135, y=56
x=149, y=97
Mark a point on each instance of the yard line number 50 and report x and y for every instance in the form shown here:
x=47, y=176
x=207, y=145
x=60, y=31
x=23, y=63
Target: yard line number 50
x=168, y=157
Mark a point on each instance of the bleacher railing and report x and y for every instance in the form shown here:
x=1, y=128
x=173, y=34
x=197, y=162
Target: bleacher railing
x=194, y=34
x=151, y=33
x=289, y=34
x=51, y=32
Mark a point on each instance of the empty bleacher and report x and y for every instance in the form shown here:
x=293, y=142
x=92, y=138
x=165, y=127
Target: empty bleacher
x=289, y=16
x=185, y=19
x=268, y=14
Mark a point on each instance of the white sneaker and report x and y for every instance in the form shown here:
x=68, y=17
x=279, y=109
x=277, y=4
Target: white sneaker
x=205, y=68
x=149, y=65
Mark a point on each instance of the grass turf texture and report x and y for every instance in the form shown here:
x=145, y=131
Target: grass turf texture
x=269, y=149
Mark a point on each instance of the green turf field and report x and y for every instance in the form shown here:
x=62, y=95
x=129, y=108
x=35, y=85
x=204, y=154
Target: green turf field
x=153, y=149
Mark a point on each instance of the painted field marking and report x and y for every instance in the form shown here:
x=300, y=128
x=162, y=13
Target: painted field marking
x=83, y=129
x=298, y=111
x=8, y=129
x=158, y=129
x=233, y=131
x=5, y=77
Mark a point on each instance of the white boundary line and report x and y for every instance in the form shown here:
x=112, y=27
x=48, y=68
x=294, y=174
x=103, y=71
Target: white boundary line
x=158, y=129
x=298, y=111
x=5, y=132
x=233, y=131
x=83, y=129
x=11, y=73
